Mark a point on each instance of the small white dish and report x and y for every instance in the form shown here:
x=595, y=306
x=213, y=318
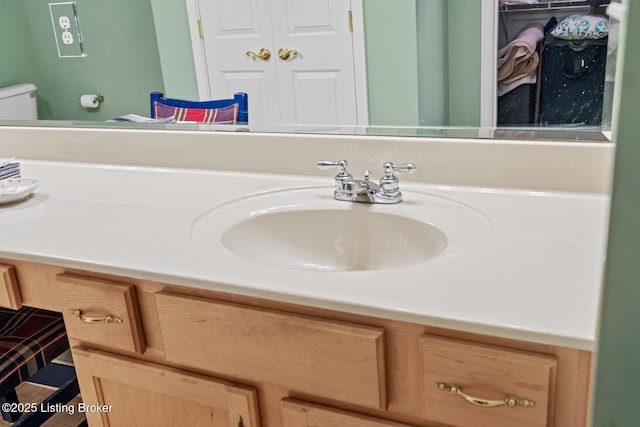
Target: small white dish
x=16, y=189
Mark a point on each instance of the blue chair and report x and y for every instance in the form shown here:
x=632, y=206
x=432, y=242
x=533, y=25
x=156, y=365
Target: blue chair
x=230, y=111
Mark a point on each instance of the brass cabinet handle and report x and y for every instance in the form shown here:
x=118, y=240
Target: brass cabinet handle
x=240, y=423
x=107, y=319
x=508, y=401
x=285, y=53
x=263, y=54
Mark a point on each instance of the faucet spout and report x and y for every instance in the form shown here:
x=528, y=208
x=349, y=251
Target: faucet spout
x=354, y=190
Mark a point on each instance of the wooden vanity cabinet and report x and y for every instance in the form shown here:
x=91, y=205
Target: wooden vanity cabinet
x=466, y=383
x=326, y=358
x=129, y=392
x=101, y=312
x=298, y=413
x=9, y=290
x=213, y=358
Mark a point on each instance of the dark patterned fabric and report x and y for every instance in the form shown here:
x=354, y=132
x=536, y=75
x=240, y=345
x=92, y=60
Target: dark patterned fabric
x=29, y=339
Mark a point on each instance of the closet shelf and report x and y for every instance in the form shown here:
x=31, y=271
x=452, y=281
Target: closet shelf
x=546, y=5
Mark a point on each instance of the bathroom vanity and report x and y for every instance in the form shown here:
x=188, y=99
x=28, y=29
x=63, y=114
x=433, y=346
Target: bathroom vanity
x=186, y=355
x=170, y=324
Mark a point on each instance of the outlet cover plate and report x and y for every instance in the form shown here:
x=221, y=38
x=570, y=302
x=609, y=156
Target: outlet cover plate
x=66, y=28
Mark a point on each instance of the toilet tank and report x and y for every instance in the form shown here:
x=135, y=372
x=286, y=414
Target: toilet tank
x=18, y=102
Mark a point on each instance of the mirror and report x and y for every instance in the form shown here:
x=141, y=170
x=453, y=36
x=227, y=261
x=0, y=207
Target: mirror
x=426, y=67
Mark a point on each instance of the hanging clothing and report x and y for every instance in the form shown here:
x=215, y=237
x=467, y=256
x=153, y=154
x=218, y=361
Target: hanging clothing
x=519, y=57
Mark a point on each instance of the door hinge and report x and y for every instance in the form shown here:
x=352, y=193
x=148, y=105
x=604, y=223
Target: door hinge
x=350, y=21
x=200, y=30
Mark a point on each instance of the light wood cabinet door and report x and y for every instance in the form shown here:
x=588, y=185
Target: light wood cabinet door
x=9, y=290
x=296, y=413
x=320, y=357
x=467, y=383
x=129, y=392
x=101, y=312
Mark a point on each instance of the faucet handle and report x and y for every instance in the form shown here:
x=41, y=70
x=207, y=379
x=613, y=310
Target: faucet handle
x=340, y=164
x=390, y=168
x=389, y=182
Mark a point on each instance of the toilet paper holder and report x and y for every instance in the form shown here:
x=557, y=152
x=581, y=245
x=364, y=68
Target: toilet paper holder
x=91, y=100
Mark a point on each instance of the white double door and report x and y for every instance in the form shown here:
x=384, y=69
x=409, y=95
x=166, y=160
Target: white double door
x=316, y=85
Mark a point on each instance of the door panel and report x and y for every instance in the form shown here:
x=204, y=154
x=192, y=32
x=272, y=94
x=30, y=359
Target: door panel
x=317, y=16
x=317, y=29
x=336, y=360
x=313, y=89
x=297, y=413
x=138, y=393
x=231, y=29
x=259, y=85
x=487, y=373
x=236, y=19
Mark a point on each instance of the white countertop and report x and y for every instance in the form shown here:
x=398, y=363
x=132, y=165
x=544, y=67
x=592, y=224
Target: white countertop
x=536, y=276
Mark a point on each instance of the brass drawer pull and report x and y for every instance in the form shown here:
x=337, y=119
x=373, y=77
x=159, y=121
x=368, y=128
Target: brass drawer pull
x=107, y=319
x=508, y=401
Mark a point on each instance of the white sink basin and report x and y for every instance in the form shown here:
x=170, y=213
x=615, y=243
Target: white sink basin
x=334, y=240
x=306, y=229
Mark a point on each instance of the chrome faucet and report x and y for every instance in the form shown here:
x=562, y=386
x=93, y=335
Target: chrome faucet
x=364, y=191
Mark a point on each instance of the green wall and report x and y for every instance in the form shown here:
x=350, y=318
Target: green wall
x=433, y=64
x=618, y=363
x=464, y=34
x=15, y=37
x=174, y=46
x=423, y=62
x=121, y=61
x=392, y=66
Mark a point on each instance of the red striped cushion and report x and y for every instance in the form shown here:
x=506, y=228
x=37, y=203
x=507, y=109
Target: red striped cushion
x=226, y=115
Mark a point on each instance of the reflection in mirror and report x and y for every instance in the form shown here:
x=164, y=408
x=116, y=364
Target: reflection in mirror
x=402, y=67
x=555, y=63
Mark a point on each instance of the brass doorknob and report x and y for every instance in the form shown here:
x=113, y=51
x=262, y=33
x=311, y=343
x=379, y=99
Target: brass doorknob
x=263, y=54
x=285, y=53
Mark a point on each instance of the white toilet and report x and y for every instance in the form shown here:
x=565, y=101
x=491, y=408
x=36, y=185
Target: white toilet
x=18, y=102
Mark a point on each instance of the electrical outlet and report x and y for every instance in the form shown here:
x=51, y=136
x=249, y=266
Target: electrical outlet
x=64, y=22
x=66, y=28
x=67, y=37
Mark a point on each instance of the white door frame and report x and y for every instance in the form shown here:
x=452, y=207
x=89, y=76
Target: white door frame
x=360, y=63
x=199, y=57
x=488, y=68
x=359, y=58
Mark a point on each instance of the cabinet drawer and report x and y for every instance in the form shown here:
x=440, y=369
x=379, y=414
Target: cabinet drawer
x=296, y=413
x=9, y=290
x=140, y=393
x=325, y=358
x=101, y=312
x=487, y=375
